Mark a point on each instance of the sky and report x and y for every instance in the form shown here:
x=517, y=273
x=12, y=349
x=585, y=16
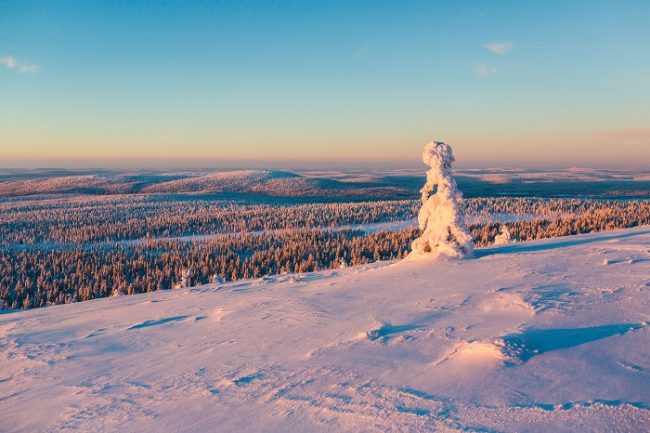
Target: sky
x=324, y=83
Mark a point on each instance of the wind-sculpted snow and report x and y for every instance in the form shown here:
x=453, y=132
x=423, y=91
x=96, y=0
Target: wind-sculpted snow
x=538, y=337
x=440, y=218
x=532, y=342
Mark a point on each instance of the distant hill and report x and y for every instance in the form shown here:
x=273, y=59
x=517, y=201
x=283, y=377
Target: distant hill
x=355, y=184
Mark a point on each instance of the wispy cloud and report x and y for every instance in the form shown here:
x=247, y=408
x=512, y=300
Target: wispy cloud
x=12, y=64
x=9, y=62
x=483, y=70
x=627, y=134
x=499, y=47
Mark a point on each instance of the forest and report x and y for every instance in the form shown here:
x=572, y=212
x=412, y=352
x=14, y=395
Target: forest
x=76, y=249
x=89, y=219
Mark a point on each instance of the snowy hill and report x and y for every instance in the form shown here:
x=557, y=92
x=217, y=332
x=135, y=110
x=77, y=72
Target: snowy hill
x=396, y=184
x=231, y=181
x=274, y=183
x=544, y=336
x=87, y=184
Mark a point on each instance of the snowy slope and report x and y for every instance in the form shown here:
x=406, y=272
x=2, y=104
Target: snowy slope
x=545, y=336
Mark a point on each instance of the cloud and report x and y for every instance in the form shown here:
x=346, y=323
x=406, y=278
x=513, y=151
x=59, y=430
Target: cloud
x=627, y=134
x=483, y=70
x=28, y=69
x=9, y=62
x=12, y=64
x=499, y=47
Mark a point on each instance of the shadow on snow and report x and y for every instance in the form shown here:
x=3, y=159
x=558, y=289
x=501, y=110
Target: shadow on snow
x=561, y=242
x=532, y=342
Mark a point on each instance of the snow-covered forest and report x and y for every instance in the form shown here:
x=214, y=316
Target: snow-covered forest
x=90, y=219
x=71, y=249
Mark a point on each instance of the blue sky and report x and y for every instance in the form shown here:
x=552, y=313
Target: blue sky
x=556, y=83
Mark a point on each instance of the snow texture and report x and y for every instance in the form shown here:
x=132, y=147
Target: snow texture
x=552, y=342
x=441, y=220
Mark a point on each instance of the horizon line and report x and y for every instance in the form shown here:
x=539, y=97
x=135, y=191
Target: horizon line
x=308, y=167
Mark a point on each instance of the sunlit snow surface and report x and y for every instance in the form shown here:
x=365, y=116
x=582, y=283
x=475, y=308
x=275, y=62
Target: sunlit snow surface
x=544, y=336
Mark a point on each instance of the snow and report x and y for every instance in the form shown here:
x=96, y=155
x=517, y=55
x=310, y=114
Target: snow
x=440, y=218
x=504, y=236
x=531, y=336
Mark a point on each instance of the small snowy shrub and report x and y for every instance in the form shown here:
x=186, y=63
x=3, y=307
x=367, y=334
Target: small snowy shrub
x=503, y=237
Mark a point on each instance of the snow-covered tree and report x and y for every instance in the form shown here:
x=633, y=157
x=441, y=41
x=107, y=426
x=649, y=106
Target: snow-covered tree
x=440, y=218
x=186, y=279
x=504, y=236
